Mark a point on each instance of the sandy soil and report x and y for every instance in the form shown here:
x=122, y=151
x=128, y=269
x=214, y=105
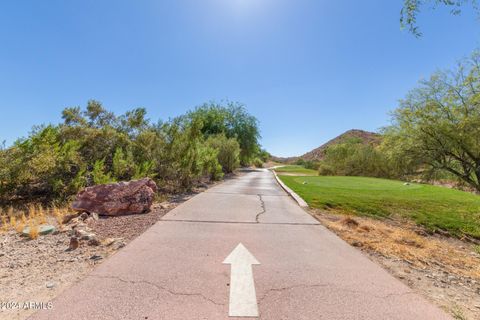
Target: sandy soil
x=444, y=270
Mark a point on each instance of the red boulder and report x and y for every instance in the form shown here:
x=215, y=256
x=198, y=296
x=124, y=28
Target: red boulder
x=116, y=199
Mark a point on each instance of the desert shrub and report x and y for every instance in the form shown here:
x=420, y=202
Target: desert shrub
x=228, y=151
x=314, y=165
x=353, y=158
x=264, y=155
x=257, y=163
x=95, y=146
x=209, y=162
x=299, y=162
x=308, y=164
x=98, y=174
x=186, y=157
x=325, y=170
x=42, y=164
x=123, y=164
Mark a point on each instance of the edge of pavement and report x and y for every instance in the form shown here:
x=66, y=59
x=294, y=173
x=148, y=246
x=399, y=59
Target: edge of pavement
x=302, y=203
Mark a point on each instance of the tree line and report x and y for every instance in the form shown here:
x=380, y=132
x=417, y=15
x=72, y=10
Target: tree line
x=93, y=146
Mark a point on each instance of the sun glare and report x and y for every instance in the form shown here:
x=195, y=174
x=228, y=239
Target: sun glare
x=242, y=7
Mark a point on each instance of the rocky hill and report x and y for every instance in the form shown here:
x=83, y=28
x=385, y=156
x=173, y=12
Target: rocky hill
x=364, y=136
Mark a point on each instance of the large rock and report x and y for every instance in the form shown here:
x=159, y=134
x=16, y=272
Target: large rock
x=115, y=199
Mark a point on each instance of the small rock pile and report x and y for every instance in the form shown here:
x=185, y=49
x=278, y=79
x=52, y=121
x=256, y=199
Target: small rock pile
x=79, y=227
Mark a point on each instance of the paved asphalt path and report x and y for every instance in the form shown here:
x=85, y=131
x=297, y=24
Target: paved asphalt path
x=175, y=269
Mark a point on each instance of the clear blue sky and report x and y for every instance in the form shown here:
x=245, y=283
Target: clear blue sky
x=307, y=69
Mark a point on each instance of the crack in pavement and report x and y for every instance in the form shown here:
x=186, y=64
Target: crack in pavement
x=244, y=222
x=160, y=288
x=262, y=204
x=309, y=286
x=267, y=293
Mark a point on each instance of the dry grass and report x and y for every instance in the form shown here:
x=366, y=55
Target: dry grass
x=34, y=217
x=58, y=214
x=13, y=222
x=404, y=243
x=350, y=222
x=4, y=223
x=458, y=314
x=33, y=231
x=19, y=227
x=32, y=211
x=10, y=212
x=41, y=218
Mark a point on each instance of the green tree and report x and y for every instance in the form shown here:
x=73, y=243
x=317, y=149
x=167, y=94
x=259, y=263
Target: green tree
x=411, y=9
x=244, y=127
x=234, y=121
x=73, y=116
x=98, y=117
x=134, y=122
x=437, y=126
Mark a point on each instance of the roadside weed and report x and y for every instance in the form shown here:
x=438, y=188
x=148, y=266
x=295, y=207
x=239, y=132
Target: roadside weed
x=23, y=218
x=13, y=222
x=4, y=224
x=19, y=227
x=457, y=313
x=476, y=248
x=32, y=211
x=33, y=230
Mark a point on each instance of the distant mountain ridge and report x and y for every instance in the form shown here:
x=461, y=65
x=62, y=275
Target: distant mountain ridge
x=366, y=137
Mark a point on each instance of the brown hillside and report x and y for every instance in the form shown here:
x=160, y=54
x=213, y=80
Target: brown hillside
x=365, y=136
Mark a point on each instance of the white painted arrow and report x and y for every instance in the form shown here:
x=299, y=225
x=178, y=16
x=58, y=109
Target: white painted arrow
x=243, y=299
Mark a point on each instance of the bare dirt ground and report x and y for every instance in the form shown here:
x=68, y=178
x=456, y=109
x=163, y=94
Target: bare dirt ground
x=445, y=270
x=32, y=272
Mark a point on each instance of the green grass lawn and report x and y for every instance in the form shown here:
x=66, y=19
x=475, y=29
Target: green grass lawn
x=296, y=170
x=433, y=207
